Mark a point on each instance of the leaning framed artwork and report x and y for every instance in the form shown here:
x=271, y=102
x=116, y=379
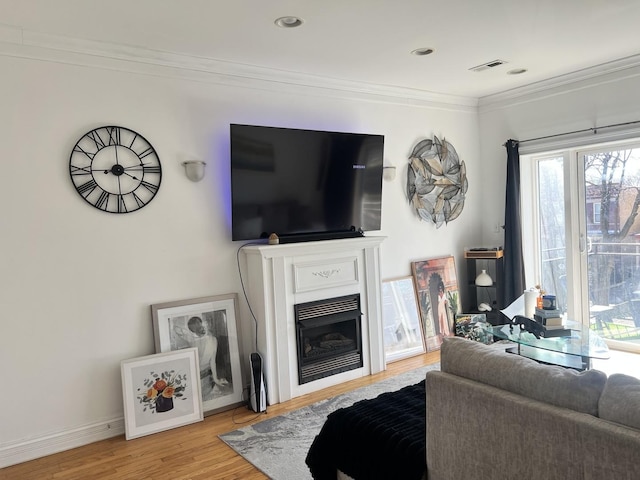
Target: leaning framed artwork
x=401, y=321
x=470, y=326
x=209, y=325
x=438, y=298
x=161, y=392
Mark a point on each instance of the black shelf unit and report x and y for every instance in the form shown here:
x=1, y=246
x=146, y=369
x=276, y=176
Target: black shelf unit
x=493, y=262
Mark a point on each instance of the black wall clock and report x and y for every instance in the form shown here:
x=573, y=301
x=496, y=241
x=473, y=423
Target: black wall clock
x=115, y=169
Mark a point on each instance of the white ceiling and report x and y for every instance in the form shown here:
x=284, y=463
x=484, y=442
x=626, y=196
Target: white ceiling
x=366, y=41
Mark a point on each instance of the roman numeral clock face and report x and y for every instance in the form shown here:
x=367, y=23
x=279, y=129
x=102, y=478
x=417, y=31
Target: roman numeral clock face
x=115, y=169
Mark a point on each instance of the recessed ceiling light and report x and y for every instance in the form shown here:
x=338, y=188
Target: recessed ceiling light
x=289, y=22
x=422, y=51
x=516, y=71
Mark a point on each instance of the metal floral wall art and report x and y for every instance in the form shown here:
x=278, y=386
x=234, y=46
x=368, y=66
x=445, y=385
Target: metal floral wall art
x=436, y=181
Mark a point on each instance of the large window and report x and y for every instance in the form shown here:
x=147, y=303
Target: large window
x=585, y=234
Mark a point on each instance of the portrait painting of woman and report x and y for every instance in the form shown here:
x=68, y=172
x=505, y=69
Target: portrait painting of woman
x=438, y=294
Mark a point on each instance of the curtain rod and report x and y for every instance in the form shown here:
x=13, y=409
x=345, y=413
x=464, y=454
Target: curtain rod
x=594, y=130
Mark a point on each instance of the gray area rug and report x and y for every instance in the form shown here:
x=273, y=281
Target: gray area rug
x=279, y=445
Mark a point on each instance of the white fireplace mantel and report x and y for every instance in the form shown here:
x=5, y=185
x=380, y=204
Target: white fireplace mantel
x=277, y=277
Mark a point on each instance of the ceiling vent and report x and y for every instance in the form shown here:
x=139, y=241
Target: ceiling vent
x=488, y=65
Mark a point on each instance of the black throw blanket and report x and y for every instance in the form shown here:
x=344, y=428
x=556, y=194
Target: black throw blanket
x=381, y=438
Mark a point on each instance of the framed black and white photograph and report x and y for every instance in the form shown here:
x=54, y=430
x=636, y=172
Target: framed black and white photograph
x=209, y=325
x=401, y=320
x=161, y=392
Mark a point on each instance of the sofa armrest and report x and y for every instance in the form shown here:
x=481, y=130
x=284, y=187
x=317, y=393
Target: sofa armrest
x=476, y=431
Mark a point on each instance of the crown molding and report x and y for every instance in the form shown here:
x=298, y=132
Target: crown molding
x=613, y=71
x=10, y=34
x=18, y=42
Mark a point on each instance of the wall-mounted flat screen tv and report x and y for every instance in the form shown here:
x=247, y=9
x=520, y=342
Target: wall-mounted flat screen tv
x=304, y=184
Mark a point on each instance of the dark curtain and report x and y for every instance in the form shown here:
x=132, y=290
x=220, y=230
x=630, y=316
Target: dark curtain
x=513, y=259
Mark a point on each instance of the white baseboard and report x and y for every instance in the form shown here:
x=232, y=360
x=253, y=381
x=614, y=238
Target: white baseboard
x=14, y=453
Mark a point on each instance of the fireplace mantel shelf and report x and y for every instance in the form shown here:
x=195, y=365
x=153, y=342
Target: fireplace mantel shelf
x=281, y=276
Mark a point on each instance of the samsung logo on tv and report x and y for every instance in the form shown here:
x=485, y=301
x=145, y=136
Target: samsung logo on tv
x=359, y=167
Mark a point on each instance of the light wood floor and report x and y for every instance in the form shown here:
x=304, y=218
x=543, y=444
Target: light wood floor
x=192, y=452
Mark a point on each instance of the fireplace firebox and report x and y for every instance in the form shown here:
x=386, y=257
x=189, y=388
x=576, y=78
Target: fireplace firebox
x=329, y=337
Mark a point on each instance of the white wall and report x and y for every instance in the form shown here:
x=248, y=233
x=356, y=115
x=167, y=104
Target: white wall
x=605, y=97
x=76, y=284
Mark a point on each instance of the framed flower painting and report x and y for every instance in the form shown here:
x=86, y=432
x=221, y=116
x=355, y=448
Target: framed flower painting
x=161, y=392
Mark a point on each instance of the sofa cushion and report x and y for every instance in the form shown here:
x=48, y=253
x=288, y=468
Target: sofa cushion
x=563, y=387
x=620, y=400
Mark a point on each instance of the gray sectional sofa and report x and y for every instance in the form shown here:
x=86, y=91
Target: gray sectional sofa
x=493, y=415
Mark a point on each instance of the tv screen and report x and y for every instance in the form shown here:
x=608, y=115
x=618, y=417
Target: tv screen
x=299, y=183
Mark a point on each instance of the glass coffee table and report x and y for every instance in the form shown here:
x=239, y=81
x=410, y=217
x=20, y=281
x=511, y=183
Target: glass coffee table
x=575, y=351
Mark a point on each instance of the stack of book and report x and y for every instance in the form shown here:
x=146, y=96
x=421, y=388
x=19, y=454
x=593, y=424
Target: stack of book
x=553, y=323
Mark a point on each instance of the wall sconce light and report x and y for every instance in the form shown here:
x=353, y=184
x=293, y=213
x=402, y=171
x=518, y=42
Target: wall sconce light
x=194, y=170
x=389, y=173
